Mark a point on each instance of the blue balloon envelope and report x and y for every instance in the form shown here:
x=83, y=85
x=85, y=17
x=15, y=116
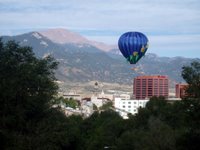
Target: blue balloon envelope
x=133, y=45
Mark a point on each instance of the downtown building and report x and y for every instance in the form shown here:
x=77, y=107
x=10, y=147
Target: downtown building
x=148, y=86
x=181, y=90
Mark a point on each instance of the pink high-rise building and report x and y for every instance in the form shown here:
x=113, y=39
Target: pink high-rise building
x=148, y=86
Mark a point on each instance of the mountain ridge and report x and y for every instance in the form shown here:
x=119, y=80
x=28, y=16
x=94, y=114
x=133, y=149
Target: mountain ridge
x=64, y=36
x=81, y=63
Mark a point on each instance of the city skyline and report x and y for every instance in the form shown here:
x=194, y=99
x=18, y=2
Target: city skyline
x=173, y=27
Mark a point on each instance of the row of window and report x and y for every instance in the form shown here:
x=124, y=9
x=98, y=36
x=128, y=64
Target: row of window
x=133, y=102
x=130, y=106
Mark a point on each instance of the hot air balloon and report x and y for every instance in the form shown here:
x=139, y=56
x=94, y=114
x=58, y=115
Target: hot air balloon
x=133, y=46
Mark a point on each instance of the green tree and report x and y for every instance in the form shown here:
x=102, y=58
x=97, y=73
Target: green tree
x=95, y=108
x=188, y=121
x=190, y=135
x=157, y=136
x=27, y=88
x=191, y=74
x=70, y=102
x=101, y=130
x=106, y=106
x=26, y=81
x=156, y=105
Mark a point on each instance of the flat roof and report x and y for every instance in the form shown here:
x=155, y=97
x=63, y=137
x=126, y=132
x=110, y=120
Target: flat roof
x=150, y=77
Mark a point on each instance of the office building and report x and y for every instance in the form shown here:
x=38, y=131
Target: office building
x=180, y=90
x=148, y=86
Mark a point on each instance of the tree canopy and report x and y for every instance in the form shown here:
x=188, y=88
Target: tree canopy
x=27, y=88
x=191, y=74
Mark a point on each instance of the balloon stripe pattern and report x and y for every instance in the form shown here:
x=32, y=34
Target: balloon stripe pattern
x=133, y=46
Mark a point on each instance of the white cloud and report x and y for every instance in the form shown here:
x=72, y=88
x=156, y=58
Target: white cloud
x=171, y=21
x=175, y=45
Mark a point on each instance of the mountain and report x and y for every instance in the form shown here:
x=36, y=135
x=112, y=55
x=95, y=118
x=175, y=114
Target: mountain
x=63, y=36
x=41, y=45
x=78, y=62
x=81, y=62
x=151, y=64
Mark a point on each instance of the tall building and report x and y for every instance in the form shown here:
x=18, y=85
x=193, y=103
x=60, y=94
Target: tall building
x=148, y=86
x=180, y=90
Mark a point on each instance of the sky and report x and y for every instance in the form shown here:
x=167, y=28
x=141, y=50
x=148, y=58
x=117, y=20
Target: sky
x=172, y=26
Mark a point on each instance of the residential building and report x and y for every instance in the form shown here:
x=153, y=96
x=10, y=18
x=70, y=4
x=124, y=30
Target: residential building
x=98, y=101
x=124, y=96
x=107, y=96
x=86, y=108
x=73, y=95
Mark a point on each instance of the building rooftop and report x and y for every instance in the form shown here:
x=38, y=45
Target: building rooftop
x=152, y=76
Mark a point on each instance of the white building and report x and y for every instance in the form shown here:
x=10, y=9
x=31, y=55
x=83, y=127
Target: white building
x=98, y=101
x=125, y=106
x=87, y=108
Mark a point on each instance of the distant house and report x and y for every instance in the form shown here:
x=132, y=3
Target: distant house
x=86, y=108
x=70, y=111
x=107, y=96
x=99, y=101
x=72, y=95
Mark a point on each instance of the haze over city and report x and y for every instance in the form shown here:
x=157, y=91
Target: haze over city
x=173, y=26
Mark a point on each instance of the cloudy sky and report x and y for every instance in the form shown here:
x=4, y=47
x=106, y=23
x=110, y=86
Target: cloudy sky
x=172, y=26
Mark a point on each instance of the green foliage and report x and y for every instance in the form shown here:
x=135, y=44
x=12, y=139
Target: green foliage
x=191, y=74
x=156, y=105
x=157, y=136
x=67, y=102
x=70, y=103
x=26, y=80
x=27, y=88
x=106, y=106
x=102, y=130
x=95, y=108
